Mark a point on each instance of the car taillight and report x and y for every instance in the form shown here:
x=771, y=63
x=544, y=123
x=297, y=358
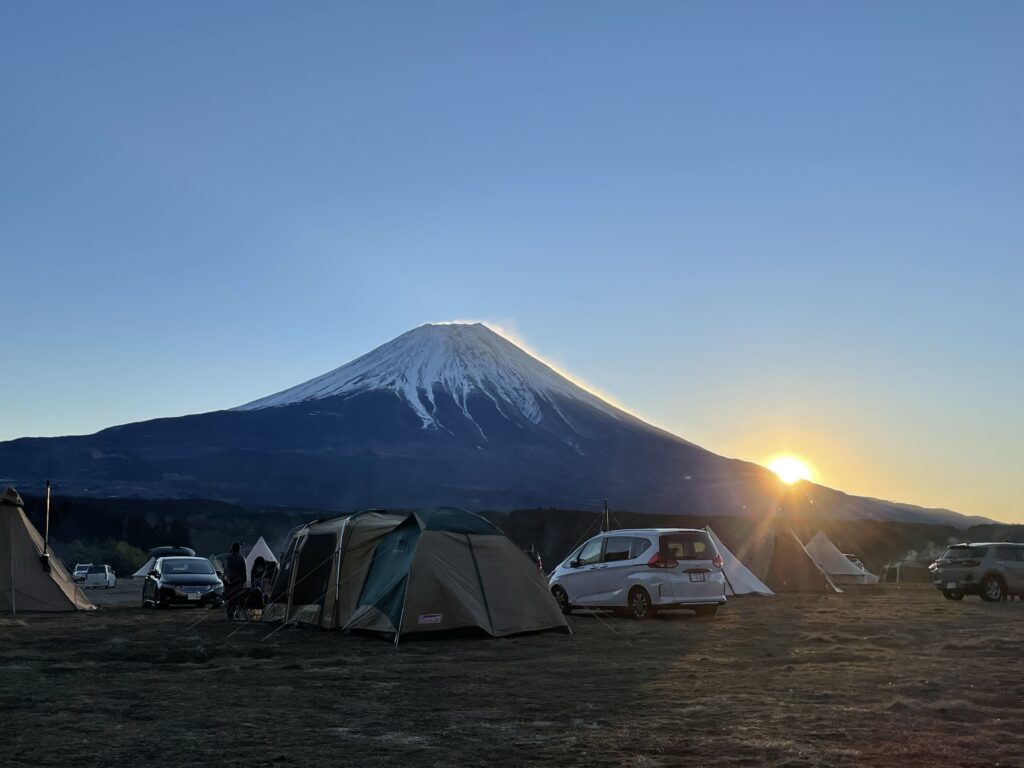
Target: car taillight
x=717, y=561
x=661, y=561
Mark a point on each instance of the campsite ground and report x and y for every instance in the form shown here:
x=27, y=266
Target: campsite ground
x=874, y=678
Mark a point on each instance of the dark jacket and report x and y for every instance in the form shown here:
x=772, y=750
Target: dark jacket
x=234, y=568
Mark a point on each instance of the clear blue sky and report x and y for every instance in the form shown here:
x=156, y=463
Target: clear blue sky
x=765, y=226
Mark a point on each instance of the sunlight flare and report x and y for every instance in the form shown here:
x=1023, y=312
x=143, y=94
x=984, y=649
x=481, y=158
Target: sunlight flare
x=790, y=468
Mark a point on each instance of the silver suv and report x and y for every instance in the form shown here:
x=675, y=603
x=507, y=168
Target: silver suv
x=992, y=570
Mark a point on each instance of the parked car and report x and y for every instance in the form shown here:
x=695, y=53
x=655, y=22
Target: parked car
x=992, y=570
x=182, y=581
x=642, y=570
x=95, y=576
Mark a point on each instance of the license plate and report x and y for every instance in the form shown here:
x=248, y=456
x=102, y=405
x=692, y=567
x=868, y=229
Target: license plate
x=194, y=595
x=697, y=577
x=950, y=585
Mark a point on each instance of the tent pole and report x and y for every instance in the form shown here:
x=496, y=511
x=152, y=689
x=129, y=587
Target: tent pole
x=46, y=527
x=10, y=548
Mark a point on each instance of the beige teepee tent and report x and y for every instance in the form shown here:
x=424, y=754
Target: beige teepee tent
x=782, y=563
x=835, y=563
x=28, y=580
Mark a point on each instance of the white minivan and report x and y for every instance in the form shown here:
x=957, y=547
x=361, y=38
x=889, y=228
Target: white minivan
x=89, y=575
x=642, y=570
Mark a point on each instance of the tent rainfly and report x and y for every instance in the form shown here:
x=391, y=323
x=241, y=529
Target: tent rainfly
x=739, y=580
x=411, y=573
x=835, y=563
x=31, y=580
x=259, y=549
x=784, y=565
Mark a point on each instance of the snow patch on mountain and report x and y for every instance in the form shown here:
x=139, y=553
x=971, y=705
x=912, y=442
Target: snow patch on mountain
x=461, y=359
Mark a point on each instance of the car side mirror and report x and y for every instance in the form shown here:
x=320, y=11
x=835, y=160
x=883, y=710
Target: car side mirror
x=155, y=573
x=574, y=563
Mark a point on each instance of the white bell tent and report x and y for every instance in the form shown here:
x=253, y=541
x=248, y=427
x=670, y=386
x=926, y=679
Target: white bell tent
x=739, y=580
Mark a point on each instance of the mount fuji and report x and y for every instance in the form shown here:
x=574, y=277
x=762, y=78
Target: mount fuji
x=443, y=414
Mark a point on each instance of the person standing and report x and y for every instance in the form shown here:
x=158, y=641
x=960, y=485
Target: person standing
x=234, y=578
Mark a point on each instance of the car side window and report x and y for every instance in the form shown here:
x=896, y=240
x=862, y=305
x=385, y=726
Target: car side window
x=591, y=552
x=639, y=547
x=617, y=549
x=1010, y=553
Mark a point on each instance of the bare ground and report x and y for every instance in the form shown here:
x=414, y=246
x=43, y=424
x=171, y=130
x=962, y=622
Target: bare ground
x=874, y=678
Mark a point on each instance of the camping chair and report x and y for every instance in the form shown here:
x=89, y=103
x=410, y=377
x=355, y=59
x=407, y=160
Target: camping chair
x=249, y=604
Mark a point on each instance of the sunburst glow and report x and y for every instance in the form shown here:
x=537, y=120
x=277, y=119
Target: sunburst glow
x=790, y=469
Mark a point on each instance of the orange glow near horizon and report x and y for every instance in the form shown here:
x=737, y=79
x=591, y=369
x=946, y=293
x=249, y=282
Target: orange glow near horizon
x=790, y=468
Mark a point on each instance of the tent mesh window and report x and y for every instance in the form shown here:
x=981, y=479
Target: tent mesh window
x=314, y=569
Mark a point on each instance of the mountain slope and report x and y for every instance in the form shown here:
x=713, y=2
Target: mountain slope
x=444, y=414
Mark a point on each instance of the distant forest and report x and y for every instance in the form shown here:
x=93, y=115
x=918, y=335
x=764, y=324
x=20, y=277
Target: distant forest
x=120, y=531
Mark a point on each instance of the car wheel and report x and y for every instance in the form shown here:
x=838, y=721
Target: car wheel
x=705, y=610
x=992, y=589
x=640, y=606
x=562, y=598
x=951, y=595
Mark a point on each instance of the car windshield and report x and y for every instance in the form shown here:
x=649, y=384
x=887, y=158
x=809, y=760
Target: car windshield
x=964, y=552
x=172, y=565
x=688, y=545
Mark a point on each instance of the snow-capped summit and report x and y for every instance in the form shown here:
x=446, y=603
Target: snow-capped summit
x=458, y=359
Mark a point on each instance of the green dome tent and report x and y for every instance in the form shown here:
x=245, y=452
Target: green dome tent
x=411, y=573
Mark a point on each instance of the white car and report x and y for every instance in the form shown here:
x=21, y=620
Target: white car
x=642, y=570
x=95, y=576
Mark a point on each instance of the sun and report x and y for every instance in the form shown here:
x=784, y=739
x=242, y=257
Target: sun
x=790, y=469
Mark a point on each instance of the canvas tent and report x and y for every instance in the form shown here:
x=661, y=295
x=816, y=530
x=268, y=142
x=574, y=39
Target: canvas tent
x=907, y=572
x=259, y=549
x=739, y=580
x=411, y=573
x=835, y=563
x=784, y=565
x=28, y=580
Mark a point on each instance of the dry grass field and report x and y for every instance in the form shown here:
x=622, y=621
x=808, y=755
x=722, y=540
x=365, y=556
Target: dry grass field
x=874, y=678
